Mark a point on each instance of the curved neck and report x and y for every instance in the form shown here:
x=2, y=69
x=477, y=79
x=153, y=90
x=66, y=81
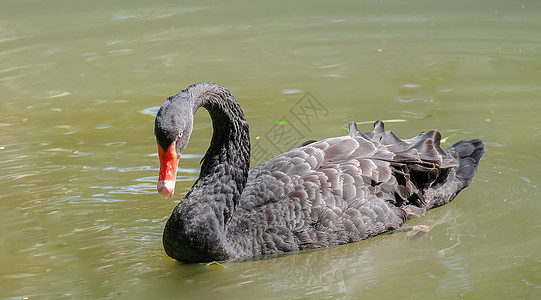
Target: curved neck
x=197, y=228
x=226, y=163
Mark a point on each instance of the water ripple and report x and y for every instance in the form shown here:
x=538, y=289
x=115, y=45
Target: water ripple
x=290, y=91
x=529, y=181
x=151, y=111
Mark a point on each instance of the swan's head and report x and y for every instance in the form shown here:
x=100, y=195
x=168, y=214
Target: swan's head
x=173, y=127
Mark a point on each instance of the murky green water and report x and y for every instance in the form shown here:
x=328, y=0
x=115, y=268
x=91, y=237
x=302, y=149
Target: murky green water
x=80, y=81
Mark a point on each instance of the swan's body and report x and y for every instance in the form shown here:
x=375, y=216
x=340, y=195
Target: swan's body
x=330, y=192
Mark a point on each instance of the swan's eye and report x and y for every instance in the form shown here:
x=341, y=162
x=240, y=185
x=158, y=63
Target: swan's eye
x=179, y=135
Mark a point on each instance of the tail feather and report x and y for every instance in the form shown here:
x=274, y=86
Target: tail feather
x=469, y=154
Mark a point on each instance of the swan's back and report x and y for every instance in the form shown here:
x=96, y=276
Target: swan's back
x=346, y=189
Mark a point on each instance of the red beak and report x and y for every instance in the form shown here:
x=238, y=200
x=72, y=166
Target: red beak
x=168, y=170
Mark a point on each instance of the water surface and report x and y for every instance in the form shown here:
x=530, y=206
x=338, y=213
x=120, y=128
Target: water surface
x=80, y=84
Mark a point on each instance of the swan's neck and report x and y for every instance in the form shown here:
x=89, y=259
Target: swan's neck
x=225, y=166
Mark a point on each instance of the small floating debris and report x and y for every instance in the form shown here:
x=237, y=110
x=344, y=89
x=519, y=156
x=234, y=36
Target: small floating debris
x=214, y=263
x=443, y=140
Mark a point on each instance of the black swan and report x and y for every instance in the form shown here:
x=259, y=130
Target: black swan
x=325, y=193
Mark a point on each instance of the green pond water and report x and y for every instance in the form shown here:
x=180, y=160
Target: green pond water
x=80, y=82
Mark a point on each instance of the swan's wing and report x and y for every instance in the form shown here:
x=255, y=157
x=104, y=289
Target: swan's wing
x=371, y=158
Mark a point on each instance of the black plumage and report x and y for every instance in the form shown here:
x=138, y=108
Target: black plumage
x=323, y=193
